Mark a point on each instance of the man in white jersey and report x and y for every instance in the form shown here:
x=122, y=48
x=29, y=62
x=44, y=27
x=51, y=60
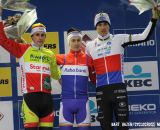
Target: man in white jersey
x=107, y=52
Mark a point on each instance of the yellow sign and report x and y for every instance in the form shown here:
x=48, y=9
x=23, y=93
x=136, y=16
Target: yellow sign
x=5, y=82
x=51, y=42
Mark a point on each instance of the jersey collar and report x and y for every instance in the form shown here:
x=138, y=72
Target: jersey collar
x=73, y=52
x=36, y=47
x=103, y=38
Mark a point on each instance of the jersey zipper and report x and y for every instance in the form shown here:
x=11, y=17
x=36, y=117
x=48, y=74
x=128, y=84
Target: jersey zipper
x=104, y=55
x=41, y=71
x=75, y=78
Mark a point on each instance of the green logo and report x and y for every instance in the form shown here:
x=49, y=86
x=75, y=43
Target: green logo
x=47, y=83
x=37, y=58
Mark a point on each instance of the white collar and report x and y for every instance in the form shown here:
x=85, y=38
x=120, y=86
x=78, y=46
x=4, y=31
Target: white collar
x=35, y=46
x=102, y=38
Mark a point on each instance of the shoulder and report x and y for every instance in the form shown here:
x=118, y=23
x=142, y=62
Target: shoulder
x=91, y=43
x=60, y=56
x=48, y=51
x=119, y=35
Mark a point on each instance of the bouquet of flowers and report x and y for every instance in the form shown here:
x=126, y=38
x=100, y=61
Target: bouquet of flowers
x=17, y=5
x=144, y=5
x=17, y=25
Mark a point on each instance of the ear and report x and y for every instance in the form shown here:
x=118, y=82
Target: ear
x=32, y=37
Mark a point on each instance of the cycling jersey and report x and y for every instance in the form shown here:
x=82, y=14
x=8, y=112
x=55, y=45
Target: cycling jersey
x=107, y=54
x=75, y=68
x=37, y=64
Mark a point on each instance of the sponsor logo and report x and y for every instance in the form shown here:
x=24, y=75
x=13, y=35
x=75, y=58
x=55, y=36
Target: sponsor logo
x=1, y=116
x=56, y=113
x=138, y=78
x=44, y=59
x=102, y=18
x=4, y=81
x=75, y=70
x=143, y=44
x=122, y=104
x=142, y=108
x=104, y=50
x=50, y=46
x=38, y=68
x=109, y=43
x=92, y=106
x=93, y=111
x=47, y=83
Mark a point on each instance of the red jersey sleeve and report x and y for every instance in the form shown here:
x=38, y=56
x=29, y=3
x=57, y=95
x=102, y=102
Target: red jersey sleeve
x=11, y=46
x=60, y=59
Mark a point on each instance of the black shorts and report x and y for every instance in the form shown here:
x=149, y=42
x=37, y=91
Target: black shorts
x=40, y=103
x=112, y=100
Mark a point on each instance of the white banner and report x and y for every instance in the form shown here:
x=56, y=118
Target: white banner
x=93, y=111
x=6, y=115
x=4, y=56
x=140, y=76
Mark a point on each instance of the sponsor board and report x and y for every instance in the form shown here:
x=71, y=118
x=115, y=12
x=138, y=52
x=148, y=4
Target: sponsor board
x=4, y=56
x=93, y=111
x=5, y=82
x=6, y=115
x=140, y=76
x=144, y=108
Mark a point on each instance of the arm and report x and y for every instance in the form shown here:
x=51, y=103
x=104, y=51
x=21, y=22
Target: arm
x=55, y=71
x=60, y=59
x=138, y=38
x=11, y=46
x=92, y=73
x=60, y=62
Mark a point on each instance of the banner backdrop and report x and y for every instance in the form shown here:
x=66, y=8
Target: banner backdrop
x=141, y=67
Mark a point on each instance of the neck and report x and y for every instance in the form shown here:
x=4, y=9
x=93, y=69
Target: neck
x=104, y=37
x=71, y=50
x=36, y=45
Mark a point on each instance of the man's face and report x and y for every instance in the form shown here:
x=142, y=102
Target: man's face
x=75, y=43
x=102, y=28
x=39, y=38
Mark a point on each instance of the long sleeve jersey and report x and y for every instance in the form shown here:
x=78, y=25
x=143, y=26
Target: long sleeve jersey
x=75, y=69
x=107, y=54
x=37, y=65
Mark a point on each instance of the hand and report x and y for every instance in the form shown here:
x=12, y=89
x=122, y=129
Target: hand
x=156, y=12
x=60, y=81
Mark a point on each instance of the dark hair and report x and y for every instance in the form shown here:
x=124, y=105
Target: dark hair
x=72, y=29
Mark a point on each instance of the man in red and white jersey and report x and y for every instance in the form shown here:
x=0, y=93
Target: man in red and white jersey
x=107, y=52
x=37, y=65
